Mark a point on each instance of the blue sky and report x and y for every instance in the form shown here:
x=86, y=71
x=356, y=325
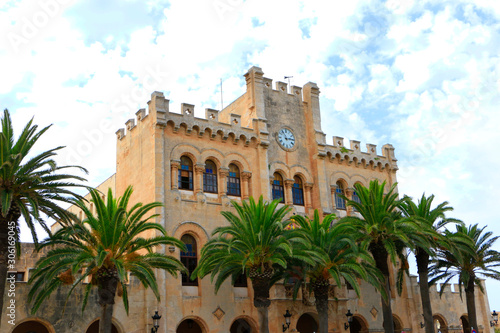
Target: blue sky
x=421, y=75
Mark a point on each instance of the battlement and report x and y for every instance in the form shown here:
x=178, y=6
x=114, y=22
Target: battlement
x=338, y=152
x=160, y=114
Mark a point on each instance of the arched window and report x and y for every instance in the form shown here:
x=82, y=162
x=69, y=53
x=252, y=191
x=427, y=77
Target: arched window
x=298, y=191
x=233, y=181
x=339, y=202
x=355, y=198
x=278, y=192
x=186, y=174
x=210, y=177
x=189, y=259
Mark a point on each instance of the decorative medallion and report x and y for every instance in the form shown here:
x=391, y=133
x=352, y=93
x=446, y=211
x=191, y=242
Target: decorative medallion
x=219, y=313
x=374, y=312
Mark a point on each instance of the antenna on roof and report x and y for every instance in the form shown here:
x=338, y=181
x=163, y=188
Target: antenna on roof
x=221, y=100
x=289, y=87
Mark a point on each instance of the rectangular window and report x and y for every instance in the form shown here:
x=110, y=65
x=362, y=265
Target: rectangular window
x=278, y=192
x=209, y=183
x=189, y=260
x=185, y=179
x=20, y=277
x=298, y=196
x=233, y=185
x=241, y=281
x=339, y=202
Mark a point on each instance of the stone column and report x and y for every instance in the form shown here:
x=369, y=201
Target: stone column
x=245, y=177
x=288, y=191
x=199, y=168
x=174, y=173
x=333, y=190
x=308, y=196
x=348, y=193
x=223, y=173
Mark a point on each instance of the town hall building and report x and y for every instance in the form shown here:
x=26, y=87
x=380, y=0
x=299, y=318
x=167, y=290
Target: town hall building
x=267, y=142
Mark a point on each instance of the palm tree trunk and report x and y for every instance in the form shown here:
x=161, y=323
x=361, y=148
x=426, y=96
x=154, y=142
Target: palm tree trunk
x=320, y=288
x=261, y=301
x=423, y=275
x=107, y=283
x=380, y=255
x=471, y=302
x=106, y=318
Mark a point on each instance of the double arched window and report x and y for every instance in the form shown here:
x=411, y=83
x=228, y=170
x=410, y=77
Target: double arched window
x=210, y=177
x=298, y=191
x=186, y=174
x=233, y=181
x=278, y=191
x=339, y=201
x=189, y=259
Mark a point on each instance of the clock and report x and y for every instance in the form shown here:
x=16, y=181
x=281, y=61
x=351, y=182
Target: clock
x=286, y=139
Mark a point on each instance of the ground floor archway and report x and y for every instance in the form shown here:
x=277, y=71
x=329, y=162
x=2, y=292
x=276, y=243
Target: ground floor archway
x=307, y=324
x=358, y=325
x=241, y=326
x=189, y=326
x=465, y=324
x=31, y=326
x=440, y=325
x=94, y=328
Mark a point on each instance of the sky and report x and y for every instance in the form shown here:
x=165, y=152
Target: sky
x=421, y=75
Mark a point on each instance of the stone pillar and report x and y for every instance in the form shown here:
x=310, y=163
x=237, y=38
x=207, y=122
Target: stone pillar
x=348, y=193
x=199, y=168
x=245, y=178
x=288, y=191
x=308, y=198
x=174, y=173
x=333, y=190
x=223, y=173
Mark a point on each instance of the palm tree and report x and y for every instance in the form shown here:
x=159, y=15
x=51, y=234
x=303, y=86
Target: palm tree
x=383, y=231
x=468, y=264
x=431, y=221
x=104, y=248
x=29, y=187
x=336, y=256
x=252, y=243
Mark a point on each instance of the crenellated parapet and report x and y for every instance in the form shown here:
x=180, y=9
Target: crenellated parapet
x=210, y=126
x=355, y=156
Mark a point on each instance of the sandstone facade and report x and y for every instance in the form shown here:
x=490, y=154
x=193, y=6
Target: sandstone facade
x=164, y=155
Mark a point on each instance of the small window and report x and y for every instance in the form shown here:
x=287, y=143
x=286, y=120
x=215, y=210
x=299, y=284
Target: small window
x=233, y=181
x=189, y=259
x=298, y=191
x=339, y=201
x=278, y=192
x=210, y=177
x=186, y=174
x=20, y=277
x=241, y=281
x=355, y=198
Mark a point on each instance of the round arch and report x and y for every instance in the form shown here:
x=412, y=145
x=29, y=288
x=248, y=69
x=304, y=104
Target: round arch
x=243, y=324
x=194, y=229
x=212, y=154
x=34, y=324
x=188, y=150
x=358, y=324
x=464, y=320
x=440, y=324
x=301, y=172
x=237, y=159
x=280, y=167
x=398, y=324
x=339, y=176
x=307, y=323
x=94, y=327
x=192, y=324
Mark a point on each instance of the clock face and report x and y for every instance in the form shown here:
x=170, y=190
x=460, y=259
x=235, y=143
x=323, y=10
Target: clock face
x=286, y=138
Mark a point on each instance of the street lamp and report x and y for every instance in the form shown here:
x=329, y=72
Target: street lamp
x=156, y=322
x=349, y=319
x=495, y=318
x=287, y=316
